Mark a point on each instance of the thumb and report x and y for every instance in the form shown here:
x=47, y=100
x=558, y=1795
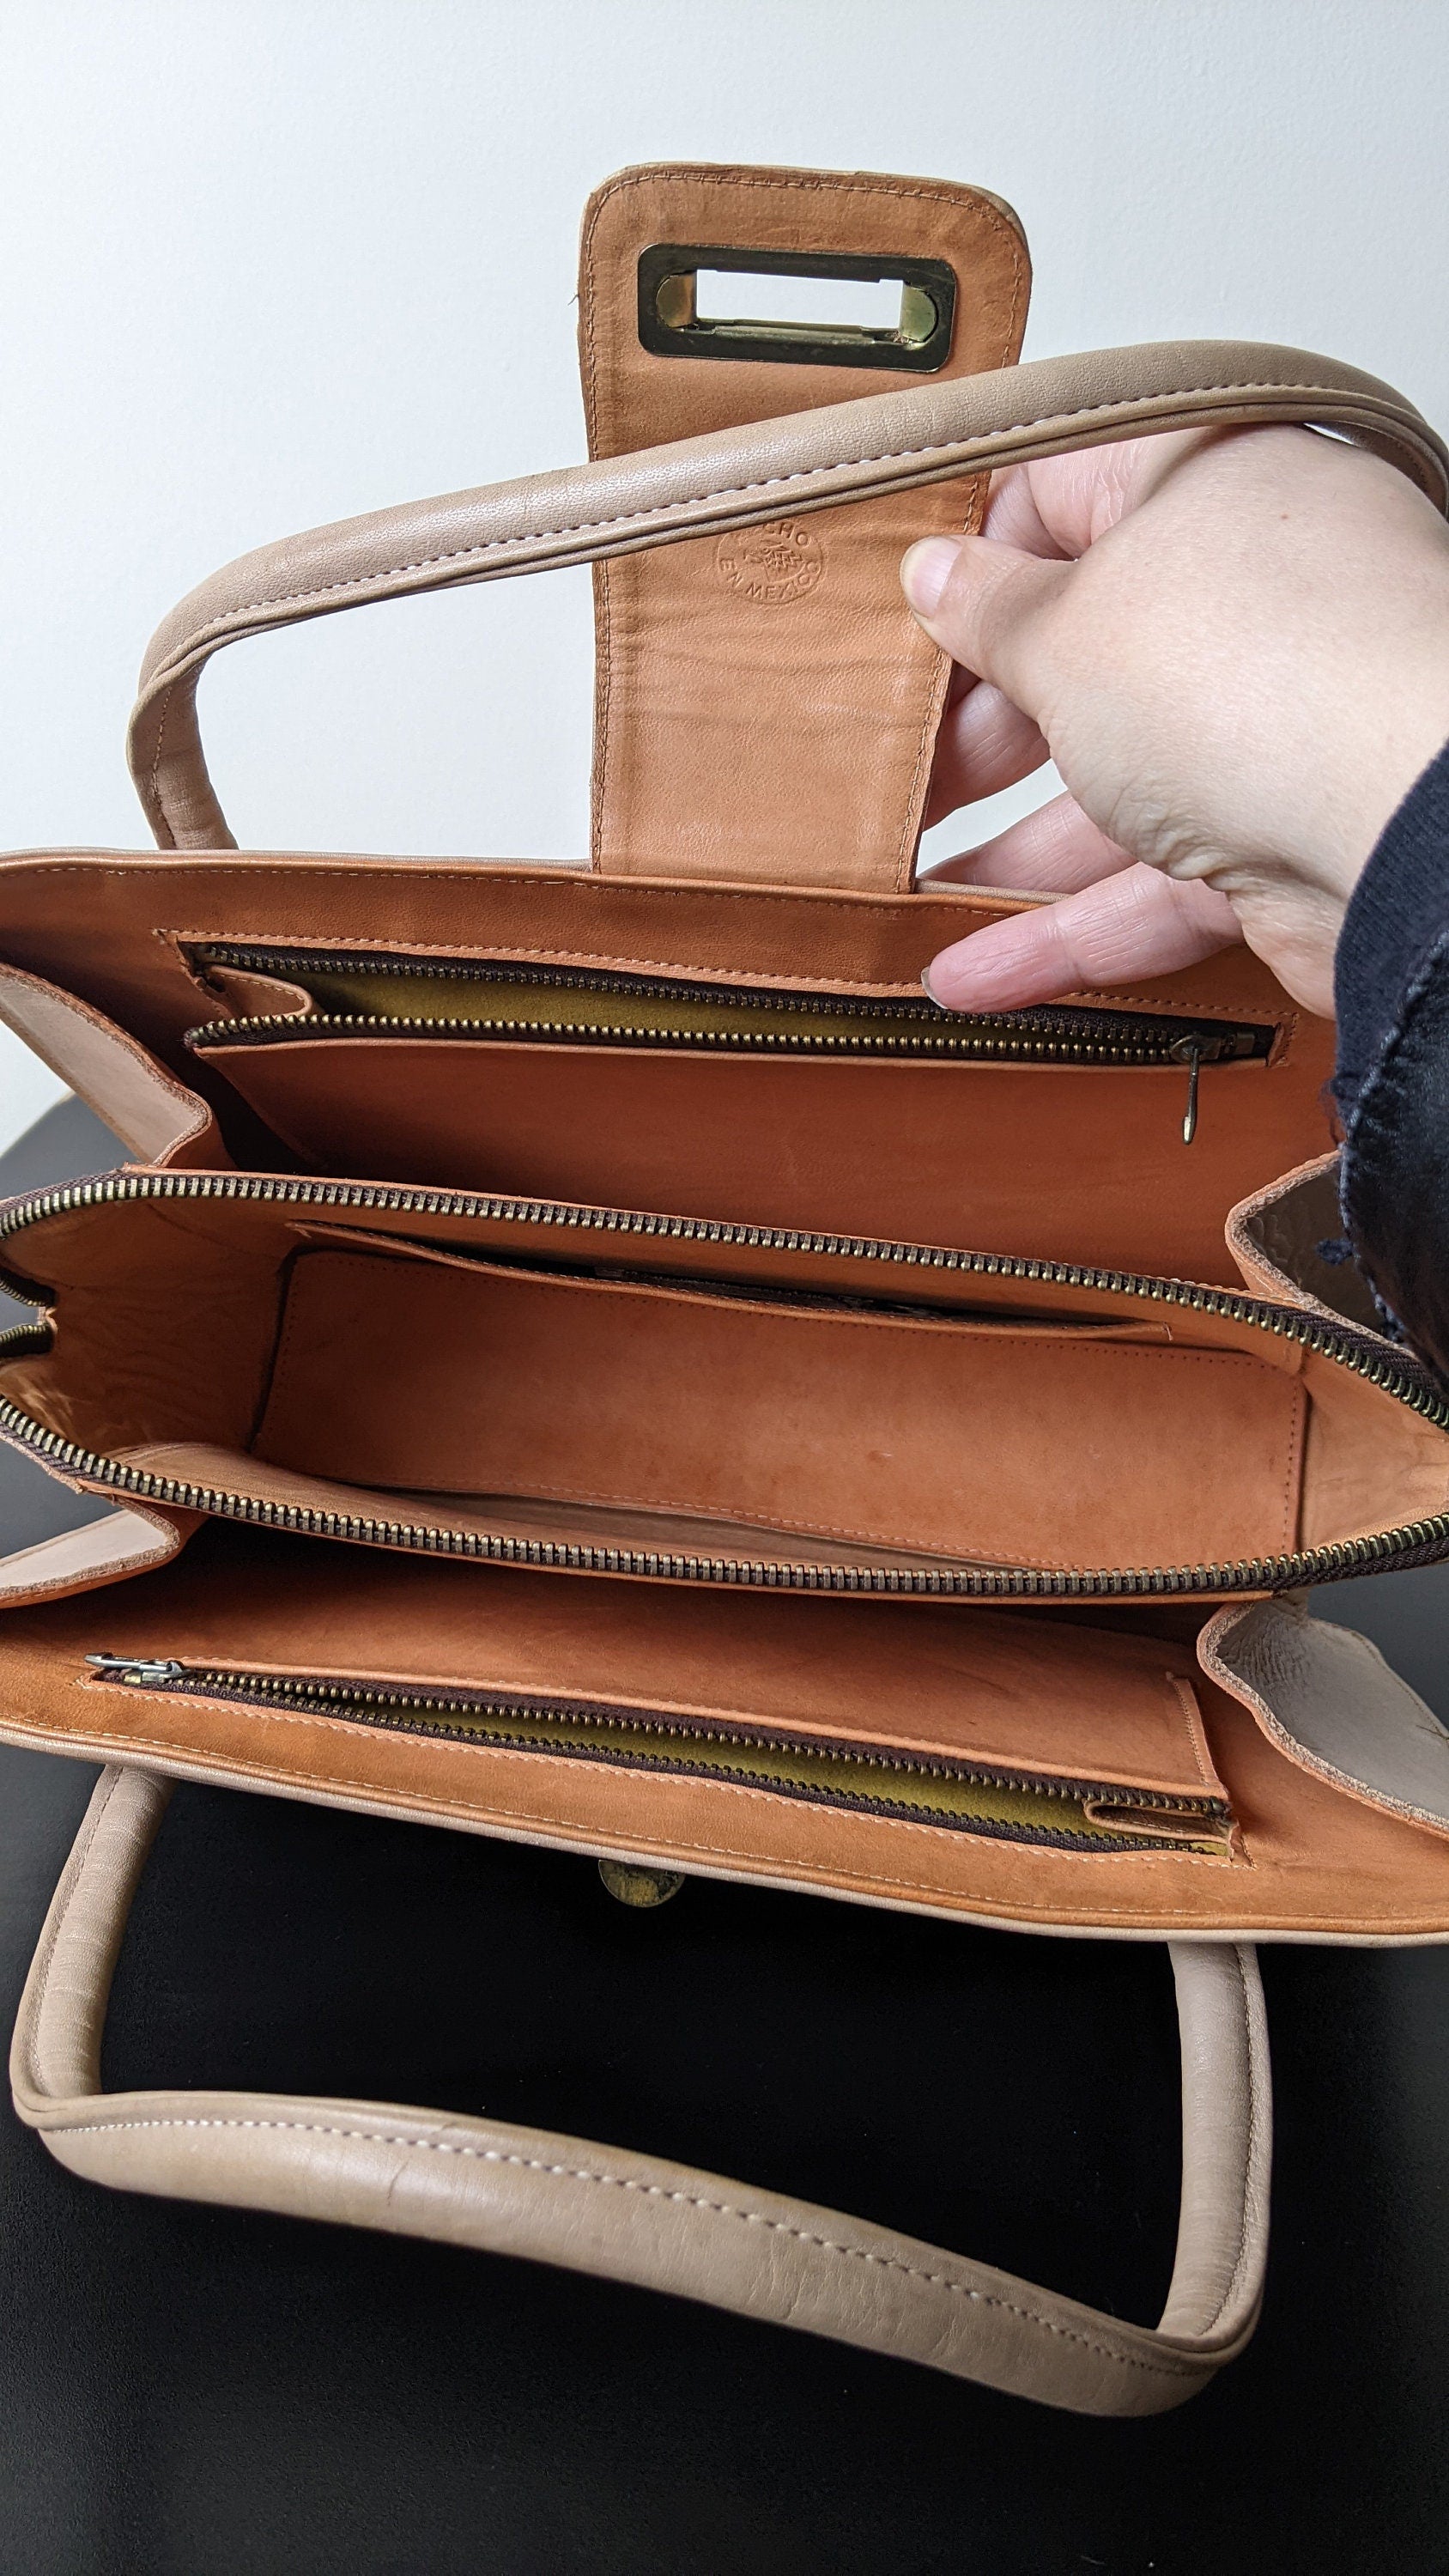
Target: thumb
x=982, y=602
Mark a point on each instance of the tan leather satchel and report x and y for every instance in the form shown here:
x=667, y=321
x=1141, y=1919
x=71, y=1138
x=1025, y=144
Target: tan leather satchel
x=594, y=1356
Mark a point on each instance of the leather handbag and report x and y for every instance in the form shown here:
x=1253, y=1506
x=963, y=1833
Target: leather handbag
x=592, y=1355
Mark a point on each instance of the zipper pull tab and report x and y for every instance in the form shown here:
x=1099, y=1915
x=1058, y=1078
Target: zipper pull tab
x=1189, y=1051
x=141, y=1669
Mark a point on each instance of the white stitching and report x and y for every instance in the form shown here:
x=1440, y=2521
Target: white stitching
x=1164, y=2368
x=657, y=2191
x=737, y=491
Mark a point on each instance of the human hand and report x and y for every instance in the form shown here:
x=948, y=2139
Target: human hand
x=1235, y=646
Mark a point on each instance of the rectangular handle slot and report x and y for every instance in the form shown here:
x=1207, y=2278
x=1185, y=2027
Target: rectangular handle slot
x=796, y=308
x=859, y=305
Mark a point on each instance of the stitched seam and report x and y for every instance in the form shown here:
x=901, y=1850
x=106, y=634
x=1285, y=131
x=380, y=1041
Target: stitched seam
x=943, y=2281
x=739, y=491
x=603, y=602
x=558, y=952
x=579, y=880
x=1197, y=1732
x=803, y=183
x=1254, y=2126
x=157, y=802
x=1293, y=1478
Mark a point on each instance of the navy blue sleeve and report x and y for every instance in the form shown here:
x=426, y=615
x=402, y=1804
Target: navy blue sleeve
x=1392, y=1080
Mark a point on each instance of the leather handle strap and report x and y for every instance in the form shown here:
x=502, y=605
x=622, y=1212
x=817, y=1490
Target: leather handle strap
x=634, y=2218
x=733, y=479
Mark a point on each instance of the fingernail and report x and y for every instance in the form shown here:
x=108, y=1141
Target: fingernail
x=926, y=570
x=928, y=978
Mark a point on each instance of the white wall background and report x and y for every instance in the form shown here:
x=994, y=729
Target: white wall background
x=267, y=262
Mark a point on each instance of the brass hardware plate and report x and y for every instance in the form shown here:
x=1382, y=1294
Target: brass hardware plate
x=630, y=1885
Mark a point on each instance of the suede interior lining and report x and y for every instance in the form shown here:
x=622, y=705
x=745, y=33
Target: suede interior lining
x=419, y=1373
x=512, y=1518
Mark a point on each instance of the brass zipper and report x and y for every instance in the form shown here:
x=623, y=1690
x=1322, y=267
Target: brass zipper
x=867, y=1779
x=1411, y=1543
x=538, y=1005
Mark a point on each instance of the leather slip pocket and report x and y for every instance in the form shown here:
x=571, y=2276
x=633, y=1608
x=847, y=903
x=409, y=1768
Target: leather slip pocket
x=419, y=1374
x=1084, y=1163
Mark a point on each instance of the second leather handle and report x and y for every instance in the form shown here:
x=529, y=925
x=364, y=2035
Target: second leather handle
x=737, y=478
x=500, y=2189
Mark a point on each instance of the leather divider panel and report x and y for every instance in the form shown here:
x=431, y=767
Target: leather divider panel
x=1036, y=1447
x=765, y=706
x=1080, y=1164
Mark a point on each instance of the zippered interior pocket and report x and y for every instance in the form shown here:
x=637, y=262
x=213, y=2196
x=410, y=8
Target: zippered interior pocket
x=977, y=1722
x=509, y=1000
x=869, y=1113
x=665, y=1723
x=854, y=1776
x=706, y=1419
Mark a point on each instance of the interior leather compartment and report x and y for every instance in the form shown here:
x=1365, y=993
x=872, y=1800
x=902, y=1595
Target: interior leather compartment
x=1081, y=1164
x=552, y=1381
x=422, y=1375
x=1115, y=1693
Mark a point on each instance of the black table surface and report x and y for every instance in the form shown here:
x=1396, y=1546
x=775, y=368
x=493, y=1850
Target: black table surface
x=201, y=2392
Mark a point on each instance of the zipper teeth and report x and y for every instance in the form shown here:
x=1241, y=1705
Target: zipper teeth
x=1412, y=1541
x=304, y=1691
x=566, y=979
x=984, y=1043
x=429, y=1713
x=1074, y=1028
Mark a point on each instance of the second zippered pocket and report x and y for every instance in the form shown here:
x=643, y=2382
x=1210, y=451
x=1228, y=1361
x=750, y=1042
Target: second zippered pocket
x=1061, y=1812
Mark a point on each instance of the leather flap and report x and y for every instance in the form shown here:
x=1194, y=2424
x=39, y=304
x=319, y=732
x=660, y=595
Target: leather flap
x=765, y=705
x=1326, y=1696
x=141, y=1103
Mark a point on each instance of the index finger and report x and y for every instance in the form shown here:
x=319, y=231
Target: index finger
x=1136, y=923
